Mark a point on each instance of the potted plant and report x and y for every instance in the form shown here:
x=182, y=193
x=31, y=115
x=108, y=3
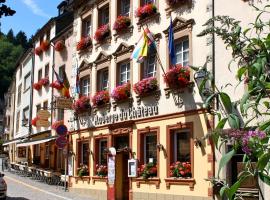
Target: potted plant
x=179, y=169
x=147, y=170
x=146, y=11
x=121, y=92
x=177, y=77
x=102, y=32
x=57, y=85
x=84, y=43
x=44, y=81
x=57, y=123
x=82, y=104
x=59, y=45
x=101, y=170
x=34, y=121
x=38, y=51
x=37, y=86
x=101, y=98
x=145, y=86
x=121, y=23
x=83, y=170
x=45, y=45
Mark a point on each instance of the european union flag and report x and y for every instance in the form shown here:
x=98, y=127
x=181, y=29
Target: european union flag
x=171, y=45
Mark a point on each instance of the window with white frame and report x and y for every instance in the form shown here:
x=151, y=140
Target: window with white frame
x=125, y=7
x=124, y=72
x=26, y=115
x=150, y=66
x=104, y=15
x=150, y=148
x=144, y=2
x=47, y=70
x=104, y=79
x=19, y=96
x=27, y=81
x=85, y=86
x=87, y=26
x=39, y=74
x=182, y=52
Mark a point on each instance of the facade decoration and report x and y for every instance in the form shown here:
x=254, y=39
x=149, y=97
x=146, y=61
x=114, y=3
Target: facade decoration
x=60, y=45
x=102, y=32
x=82, y=104
x=145, y=86
x=121, y=92
x=101, y=98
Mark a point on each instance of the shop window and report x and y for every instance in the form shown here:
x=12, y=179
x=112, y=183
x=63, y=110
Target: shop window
x=27, y=82
x=47, y=70
x=124, y=73
x=150, y=148
x=104, y=15
x=85, y=86
x=19, y=96
x=47, y=151
x=182, y=52
x=103, y=79
x=39, y=74
x=123, y=7
x=21, y=152
x=101, y=151
x=36, y=159
x=87, y=26
x=149, y=66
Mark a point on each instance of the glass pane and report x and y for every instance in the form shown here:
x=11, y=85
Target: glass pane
x=105, y=80
x=85, y=153
x=185, y=45
x=102, y=153
x=125, y=6
x=182, y=144
x=151, y=148
x=185, y=56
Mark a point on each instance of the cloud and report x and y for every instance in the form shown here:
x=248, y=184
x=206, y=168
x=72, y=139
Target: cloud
x=35, y=8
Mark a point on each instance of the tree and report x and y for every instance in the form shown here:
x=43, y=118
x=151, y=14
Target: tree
x=251, y=52
x=21, y=39
x=5, y=10
x=10, y=36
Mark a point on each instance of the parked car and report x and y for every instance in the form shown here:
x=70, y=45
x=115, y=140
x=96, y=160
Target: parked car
x=3, y=187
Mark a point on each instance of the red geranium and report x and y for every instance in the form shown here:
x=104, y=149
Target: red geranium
x=101, y=98
x=145, y=86
x=84, y=43
x=44, y=81
x=102, y=32
x=45, y=45
x=146, y=11
x=59, y=45
x=38, y=51
x=57, y=85
x=147, y=170
x=121, y=23
x=34, y=121
x=179, y=169
x=37, y=86
x=121, y=92
x=57, y=123
x=81, y=104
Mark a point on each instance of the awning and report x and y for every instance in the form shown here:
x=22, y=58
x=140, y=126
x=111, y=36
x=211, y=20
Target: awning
x=33, y=142
x=11, y=142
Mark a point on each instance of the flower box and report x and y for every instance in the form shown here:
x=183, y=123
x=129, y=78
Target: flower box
x=34, y=121
x=45, y=45
x=176, y=2
x=38, y=51
x=147, y=170
x=121, y=23
x=177, y=77
x=145, y=86
x=179, y=169
x=37, y=86
x=83, y=170
x=102, y=32
x=57, y=85
x=121, y=92
x=101, y=98
x=84, y=43
x=57, y=123
x=101, y=170
x=82, y=104
x=59, y=45
x=44, y=81
x=146, y=11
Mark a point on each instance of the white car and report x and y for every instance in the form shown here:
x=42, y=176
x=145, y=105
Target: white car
x=3, y=187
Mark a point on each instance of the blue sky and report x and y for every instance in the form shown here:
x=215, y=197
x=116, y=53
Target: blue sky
x=30, y=15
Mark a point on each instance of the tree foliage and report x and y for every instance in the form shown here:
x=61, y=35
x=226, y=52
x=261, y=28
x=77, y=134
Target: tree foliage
x=5, y=10
x=251, y=52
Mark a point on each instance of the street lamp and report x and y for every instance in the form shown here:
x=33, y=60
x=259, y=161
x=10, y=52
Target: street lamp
x=200, y=78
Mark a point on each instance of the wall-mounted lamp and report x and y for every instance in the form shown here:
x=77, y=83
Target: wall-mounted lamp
x=197, y=142
x=199, y=77
x=160, y=147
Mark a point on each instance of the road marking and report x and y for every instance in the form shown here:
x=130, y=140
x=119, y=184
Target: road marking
x=35, y=188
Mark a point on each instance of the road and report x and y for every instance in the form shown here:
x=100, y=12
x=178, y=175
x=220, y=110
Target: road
x=23, y=188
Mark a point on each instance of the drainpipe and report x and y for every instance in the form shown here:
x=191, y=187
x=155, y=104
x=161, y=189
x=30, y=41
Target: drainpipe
x=31, y=92
x=13, y=123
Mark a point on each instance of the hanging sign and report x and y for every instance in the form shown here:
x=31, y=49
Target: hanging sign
x=43, y=114
x=61, y=130
x=64, y=103
x=61, y=142
x=43, y=123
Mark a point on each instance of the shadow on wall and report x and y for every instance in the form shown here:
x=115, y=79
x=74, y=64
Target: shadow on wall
x=16, y=198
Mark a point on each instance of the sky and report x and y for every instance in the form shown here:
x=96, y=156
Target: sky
x=30, y=15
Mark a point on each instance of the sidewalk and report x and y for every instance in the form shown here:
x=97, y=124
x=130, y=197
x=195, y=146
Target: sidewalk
x=56, y=190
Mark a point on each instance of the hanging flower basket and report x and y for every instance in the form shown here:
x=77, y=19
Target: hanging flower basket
x=145, y=86
x=174, y=2
x=101, y=98
x=59, y=45
x=101, y=170
x=121, y=92
x=179, y=169
x=146, y=11
x=38, y=51
x=177, y=77
x=84, y=43
x=82, y=104
x=57, y=123
x=121, y=23
x=34, y=121
x=45, y=45
x=37, y=86
x=56, y=85
x=148, y=170
x=102, y=32
x=44, y=81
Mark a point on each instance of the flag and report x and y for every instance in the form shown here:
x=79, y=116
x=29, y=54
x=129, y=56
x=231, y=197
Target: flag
x=171, y=45
x=78, y=91
x=66, y=86
x=151, y=40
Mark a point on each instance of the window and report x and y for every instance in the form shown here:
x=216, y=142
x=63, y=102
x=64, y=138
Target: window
x=61, y=71
x=27, y=81
x=124, y=72
x=39, y=74
x=104, y=15
x=20, y=75
x=85, y=153
x=124, y=7
x=149, y=65
x=45, y=105
x=9, y=101
x=17, y=121
x=25, y=116
x=182, y=52
x=19, y=96
x=36, y=159
x=60, y=159
x=86, y=27
x=38, y=107
x=181, y=146
x=47, y=70
x=48, y=34
x=150, y=148
x=144, y=2
x=47, y=151
x=85, y=86
x=60, y=114
x=100, y=151
x=22, y=152
x=103, y=79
